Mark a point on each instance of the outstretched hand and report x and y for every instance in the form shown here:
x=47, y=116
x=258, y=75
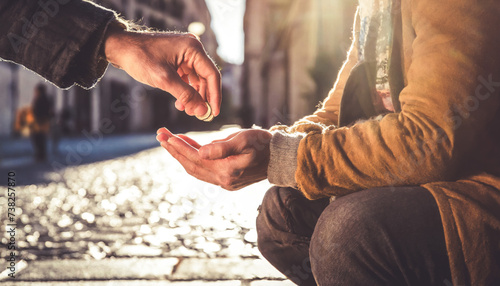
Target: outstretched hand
x=176, y=63
x=232, y=163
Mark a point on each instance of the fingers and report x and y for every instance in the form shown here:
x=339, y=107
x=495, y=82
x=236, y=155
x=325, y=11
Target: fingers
x=204, y=76
x=185, y=78
x=219, y=150
x=164, y=130
x=163, y=134
x=205, y=170
x=206, y=70
x=227, y=138
x=187, y=157
x=185, y=148
x=203, y=88
x=235, y=170
x=214, y=94
x=188, y=98
x=184, y=144
x=162, y=137
x=189, y=141
x=191, y=78
x=222, y=148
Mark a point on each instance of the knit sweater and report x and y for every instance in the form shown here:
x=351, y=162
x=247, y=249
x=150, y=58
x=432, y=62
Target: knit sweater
x=444, y=79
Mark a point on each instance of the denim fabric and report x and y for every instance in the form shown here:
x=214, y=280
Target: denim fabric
x=383, y=236
x=285, y=225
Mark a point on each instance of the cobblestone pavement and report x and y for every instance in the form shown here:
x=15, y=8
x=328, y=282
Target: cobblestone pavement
x=138, y=217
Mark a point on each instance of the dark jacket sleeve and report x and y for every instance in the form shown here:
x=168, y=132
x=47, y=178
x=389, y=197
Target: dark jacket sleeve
x=61, y=40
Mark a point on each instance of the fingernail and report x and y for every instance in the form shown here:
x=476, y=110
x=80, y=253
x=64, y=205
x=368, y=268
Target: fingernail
x=179, y=106
x=165, y=131
x=162, y=137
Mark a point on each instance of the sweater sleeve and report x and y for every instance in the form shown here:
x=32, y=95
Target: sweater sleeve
x=283, y=160
x=61, y=40
x=452, y=92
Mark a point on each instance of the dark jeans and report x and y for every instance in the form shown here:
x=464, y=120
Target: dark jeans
x=382, y=236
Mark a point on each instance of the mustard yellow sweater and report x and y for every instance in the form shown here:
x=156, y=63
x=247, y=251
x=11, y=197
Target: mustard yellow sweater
x=444, y=76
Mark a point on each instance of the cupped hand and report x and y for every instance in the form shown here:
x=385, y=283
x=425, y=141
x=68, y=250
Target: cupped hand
x=176, y=63
x=232, y=163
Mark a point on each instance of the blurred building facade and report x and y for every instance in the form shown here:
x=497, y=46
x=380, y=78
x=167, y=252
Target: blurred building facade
x=293, y=51
x=117, y=102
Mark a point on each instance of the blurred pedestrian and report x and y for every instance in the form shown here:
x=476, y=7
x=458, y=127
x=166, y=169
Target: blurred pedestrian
x=55, y=133
x=43, y=111
x=24, y=118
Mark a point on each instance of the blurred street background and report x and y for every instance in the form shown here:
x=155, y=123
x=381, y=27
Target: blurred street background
x=135, y=205
x=107, y=204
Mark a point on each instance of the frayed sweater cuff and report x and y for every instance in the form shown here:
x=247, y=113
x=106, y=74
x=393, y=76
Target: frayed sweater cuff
x=283, y=161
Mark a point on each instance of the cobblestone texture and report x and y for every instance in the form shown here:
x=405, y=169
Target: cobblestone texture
x=223, y=268
x=142, y=205
x=118, y=269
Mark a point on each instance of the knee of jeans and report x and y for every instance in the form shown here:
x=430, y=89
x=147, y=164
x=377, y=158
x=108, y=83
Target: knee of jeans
x=343, y=227
x=267, y=210
x=270, y=200
x=271, y=223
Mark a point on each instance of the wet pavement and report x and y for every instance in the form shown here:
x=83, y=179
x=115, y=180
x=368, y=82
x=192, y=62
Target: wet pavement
x=101, y=215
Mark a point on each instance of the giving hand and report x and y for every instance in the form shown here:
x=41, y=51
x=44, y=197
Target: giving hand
x=176, y=63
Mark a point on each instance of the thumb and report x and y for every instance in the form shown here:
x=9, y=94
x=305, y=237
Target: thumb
x=186, y=95
x=219, y=150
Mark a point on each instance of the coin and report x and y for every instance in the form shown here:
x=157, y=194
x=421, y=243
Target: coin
x=207, y=117
x=210, y=118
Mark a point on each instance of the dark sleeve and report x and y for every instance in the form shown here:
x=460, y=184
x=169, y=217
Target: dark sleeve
x=61, y=40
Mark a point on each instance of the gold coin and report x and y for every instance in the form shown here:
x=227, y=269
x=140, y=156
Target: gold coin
x=210, y=118
x=208, y=115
